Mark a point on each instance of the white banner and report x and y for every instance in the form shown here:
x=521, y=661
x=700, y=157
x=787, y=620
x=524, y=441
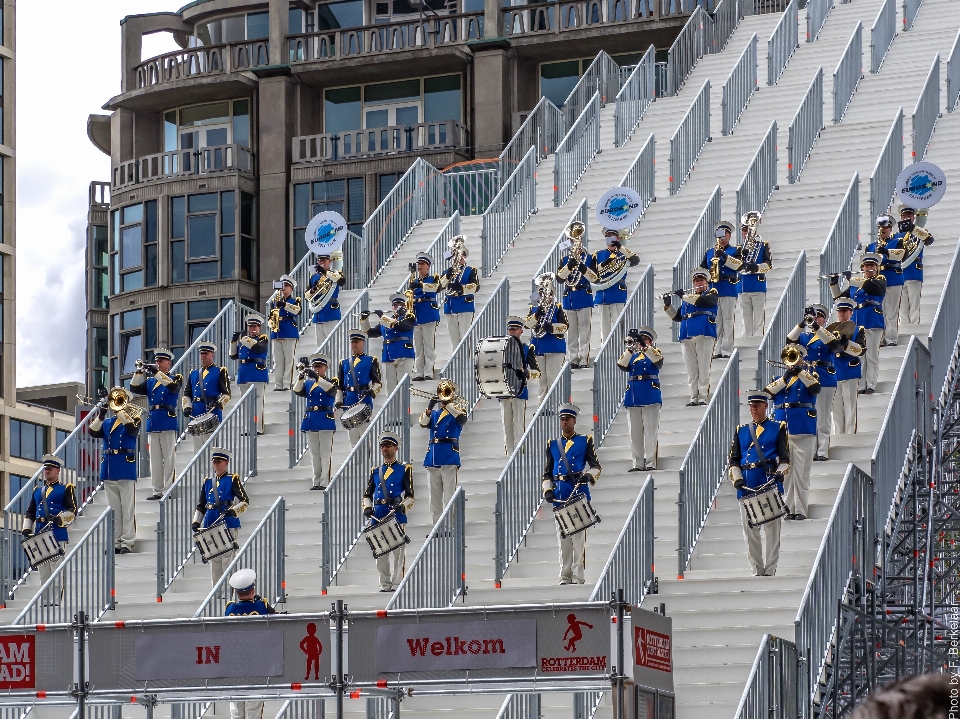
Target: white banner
x=464, y=645
x=209, y=655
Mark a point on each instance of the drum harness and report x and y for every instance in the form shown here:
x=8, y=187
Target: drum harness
x=566, y=466
x=753, y=465
x=386, y=500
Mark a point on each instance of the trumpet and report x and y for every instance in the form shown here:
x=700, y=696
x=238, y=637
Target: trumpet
x=150, y=368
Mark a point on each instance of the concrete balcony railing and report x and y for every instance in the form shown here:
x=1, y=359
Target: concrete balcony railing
x=553, y=17
x=180, y=163
x=399, y=139
x=202, y=61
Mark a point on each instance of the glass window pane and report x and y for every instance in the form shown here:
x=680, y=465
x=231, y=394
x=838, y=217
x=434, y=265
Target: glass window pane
x=201, y=271
x=15, y=437
x=203, y=235
x=258, y=25
x=206, y=202
x=377, y=118
x=178, y=213
x=203, y=310
x=386, y=184
x=100, y=245
x=355, y=200
x=132, y=281
x=151, y=223
x=295, y=21
x=132, y=351
x=177, y=323
x=131, y=247
x=241, y=122
x=1, y=75
x=133, y=213
x=234, y=29
x=341, y=109
x=170, y=131
x=131, y=320
x=441, y=98
x=391, y=91
x=214, y=113
x=328, y=190
x=177, y=266
x=150, y=327
x=100, y=291
x=150, y=265
x=331, y=16
x=246, y=214
x=100, y=355
x=407, y=116
x=215, y=137
x=301, y=205
x=248, y=268
x=188, y=141
x=227, y=259
x=557, y=80
x=227, y=205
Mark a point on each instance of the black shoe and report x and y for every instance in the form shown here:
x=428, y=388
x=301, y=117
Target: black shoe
x=649, y=468
x=635, y=469
x=799, y=517
x=116, y=550
x=717, y=357
x=317, y=489
x=124, y=550
x=418, y=379
x=819, y=458
x=702, y=402
x=790, y=517
x=278, y=389
x=154, y=496
x=891, y=344
x=869, y=390
x=574, y=365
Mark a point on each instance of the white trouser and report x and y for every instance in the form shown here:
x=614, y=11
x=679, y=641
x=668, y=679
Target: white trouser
x=391, y=567
x=246, y=710
x=458, y=325
x=46, y=569
x=218, y=565
x=891, y=313
x=578, y=335
x=751, y=536
x=163, y=455
x=608, y=318
x=697, y=356
x=753, y=309
x=261, y=398
x=572, y=558
x=910, y=301
x=357, y=432
x=644, y=426
x=425, y=347
x=797, y=481
x=122, y=497
x=198, y=441
x=394, y=371
x=725, y=313
x=443, y=483
x=284, y=357
x=550, y=366
x=321, y=450
x=514, y=413
x=824, y=411
x=845, y=407
x=324, y=329
x=871, y=359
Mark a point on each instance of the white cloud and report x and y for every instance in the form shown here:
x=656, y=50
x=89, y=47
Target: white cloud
x=68, y=66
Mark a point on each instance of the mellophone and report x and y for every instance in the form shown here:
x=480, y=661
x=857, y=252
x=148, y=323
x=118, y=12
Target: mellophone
x=385, y=535
x=214, y=540
x=575, y=515
x=41, y=548
x=764, y=505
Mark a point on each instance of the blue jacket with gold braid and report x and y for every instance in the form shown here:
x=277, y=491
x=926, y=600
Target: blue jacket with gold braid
x=398, y=479
x=745, y=462
x=247, y=607
x=119, y=459
x=51, y=505
x=209, y=391
x=251, y=356
x=576, y=464
x=445, y=424
x=162, y=399
x=795, y=401
x=222, y=496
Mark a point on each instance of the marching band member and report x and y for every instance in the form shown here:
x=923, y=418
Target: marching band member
x=118, y=466
x=53, y=506
x=821, y=346
x=514, y=409
x=328, y=315
x=318, y=423
x=847, y=361
x=759, y=452
x=890, y=248
x=697, y=316
x=358, y=379
x=611, y=300
x=460, y=281
x=285, y=307
x=222, y=498
x=571, y=464
x=250, y=352
x=248, y=603
x=725, y=279
x=397, y=332
x=390, y=488
x=445, y=419
x=209, y=391
x=577, y=301
x=753, y=279
x=161, y=390
x=909, y=233
x=642, y=360
x=794, y=395
x=548, y=321
x=867, y=292
x=425, y=287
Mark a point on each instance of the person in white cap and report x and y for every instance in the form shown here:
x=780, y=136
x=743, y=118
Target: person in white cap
x=548, y=319
x=389, y=489
x=118, y=466
x=821, y=344
x=209, y=391
x=577, y=277
x=642, y=360
x=397, y=330
x=605, y=264
x=53, y=507
x=284, y=308
x=890, y=248
x=318, y=421
x=161, y=390
x=513, y=410
x=248, y=602
x=460, y=281
x=424, y=285
x=848, y=362
x=697, y=316
x=867, y=291
x=913, y=238
x=727, y=285
x=757, y=262
x=250, y=350
x=222, y=499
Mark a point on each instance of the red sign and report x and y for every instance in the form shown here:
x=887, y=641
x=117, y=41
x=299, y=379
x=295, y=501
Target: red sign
x=572, y=636
x=17, y=657
x=652, y=649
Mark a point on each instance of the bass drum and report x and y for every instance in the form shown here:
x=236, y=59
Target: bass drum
x=499, y=367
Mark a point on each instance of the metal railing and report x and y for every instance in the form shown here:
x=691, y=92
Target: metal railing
x=631, y=562
x=602, y=78
x=700, y=240
x=576, y=151
x=739, y=86
x=771, y=690
x=789, y=310
x=519, y=494
x=817, y=11
x=85, y=579
x=726, y=17
x=182, y=163
x=688, y=141
x=188, y=710
x=301, y=709
x=805, y=128
x=926, y=112
x=585, y=704
x=469, y=191
x=637, y=94
x=943, y=338
x=520, y=706
x=641, y=177
x=705, y=464
x=238, y=433
x=490, y=321
x=782, y=43
x=542, y=130
x=910, y=10
x=264, y=552
x=882, y=32
x=342, y=522
x=438, y=576
x=847, y=75
x=380, y=141
x=838, y=251
x=552, y=261
x=953, y=75
x=685, y=51
x=438, y=247
x=609, y=381
x=883, y=179
x=508, y=212
x=760, y=179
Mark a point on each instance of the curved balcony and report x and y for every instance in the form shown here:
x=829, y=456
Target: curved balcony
x=381, y=141
x=560, y=17
x=183, y=163
x=201, y=62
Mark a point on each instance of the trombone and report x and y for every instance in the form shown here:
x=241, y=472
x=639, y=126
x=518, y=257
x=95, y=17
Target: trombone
x=446, y=393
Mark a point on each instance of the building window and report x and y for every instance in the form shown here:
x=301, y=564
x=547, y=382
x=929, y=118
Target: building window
x=17, y=483
x=100, y=267
x=557, y=80
x=250, y=26
x=203, y=230
x=248, y=238
x=134, y=337
x=60, y=435
x=188, y=320
x=386, y=183
x=134, y=255
x=27, y=440
x=401, y=103
x=343, y=196
x=100, y=357
x=210, y=125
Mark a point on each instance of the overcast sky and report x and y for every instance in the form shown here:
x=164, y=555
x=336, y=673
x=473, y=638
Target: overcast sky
x=68, y=66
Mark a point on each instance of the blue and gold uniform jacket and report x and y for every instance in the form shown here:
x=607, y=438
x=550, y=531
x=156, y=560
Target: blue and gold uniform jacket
x=847, y=358
x=247, y=607
x=560, y=475
x=643, y=387
x=445, y=425
x=425, y=306
x=250, y=354
x=615, y=294
x=913, y=269
x=161, y=399
x=581, y=296
x=330, y=312
x=289, y=308
x=553, y=341
x=52, y=505
x=398, y=479
x=222, y=496
x=795, y=403
x=397, y=333
x=119, y=460
x=321, y=395
x=356, y=375
x=820, y=348
x=891, y=268
x=209, y=391
x=460, y=303
x=869, y=299
x=697, y=314
x=729, y=284
x=757, y=281
x=529, y=366
x=745, y=461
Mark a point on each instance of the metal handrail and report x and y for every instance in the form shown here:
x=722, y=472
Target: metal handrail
x=883, y=179
x=726, y=17
x=953, y=75
x=238, y=433
x=602, y=77
x=910, y=10
x=926, y=112
x=301, y=709
x=687, y=48
x=784, y=40
x=848, y=73
x=943, y=337
x=793, y=298
x=552, y=261
x=341, y=522
x=264, y=552
x=641, y=176
x=688, y=141
x=700, y=240
x=705, y=463
x=508, y=212
x=838, y=251
x=739, y=86
x=771, y=690
x=438, y=247
x=469, y=191
x=85, y=579
x=637, y=94
x=817, y=11
x=542, y=129
x=760, y=179
x=805, y=128
x=576, y=151
x=519, y=495
x=520, y=706
x=438, y=575
x=882, y=32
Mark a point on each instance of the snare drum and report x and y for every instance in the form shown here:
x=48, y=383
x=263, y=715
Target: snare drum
x=763, y=507
x=575, y=515
x=356, y=415
x=499, y=367
x=204, y=424
x=215, y=540
x=385, y=536
x=41, y=548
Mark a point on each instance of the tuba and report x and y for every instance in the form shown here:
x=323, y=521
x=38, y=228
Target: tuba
x=119, y=401
x=544, y=285
x=614, y=268
x=575, y=231
x=318, y=295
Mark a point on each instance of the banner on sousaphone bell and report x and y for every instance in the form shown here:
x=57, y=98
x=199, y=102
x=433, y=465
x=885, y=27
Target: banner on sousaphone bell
x=618, y=208
x=326, y=232
x=921, y=185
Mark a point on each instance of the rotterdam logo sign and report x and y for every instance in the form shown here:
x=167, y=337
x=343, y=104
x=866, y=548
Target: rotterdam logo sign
x=209, y=655
x=17, y=658
x=464, y=645
x=652, y=649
